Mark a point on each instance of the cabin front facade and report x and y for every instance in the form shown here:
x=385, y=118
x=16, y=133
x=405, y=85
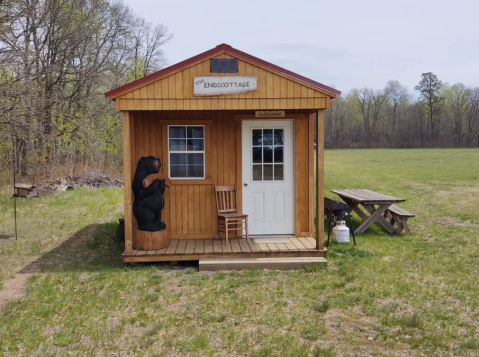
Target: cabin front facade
x=252, y=127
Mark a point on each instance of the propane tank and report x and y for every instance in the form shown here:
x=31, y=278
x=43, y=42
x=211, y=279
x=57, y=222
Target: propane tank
x=341, y=232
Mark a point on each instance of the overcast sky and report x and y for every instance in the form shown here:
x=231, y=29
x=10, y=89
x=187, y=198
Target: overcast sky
x=344, y=43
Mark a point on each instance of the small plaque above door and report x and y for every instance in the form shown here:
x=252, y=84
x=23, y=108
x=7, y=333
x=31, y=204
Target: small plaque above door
x=269, y=114
x=224, y=65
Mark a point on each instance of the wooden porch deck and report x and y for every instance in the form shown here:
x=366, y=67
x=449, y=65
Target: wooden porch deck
x=196, y=249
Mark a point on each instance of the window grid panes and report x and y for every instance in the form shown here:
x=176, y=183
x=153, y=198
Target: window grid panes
x=267, y=154
x=186, y=150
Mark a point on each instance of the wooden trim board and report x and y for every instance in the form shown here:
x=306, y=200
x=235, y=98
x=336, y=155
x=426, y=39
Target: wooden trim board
x=253, y=117
x=128, y=132
x=320, y=180
x=260, y=263
x=170, y=258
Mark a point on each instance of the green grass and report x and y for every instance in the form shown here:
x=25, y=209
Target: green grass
x=322, y=307
x=389, y=296
x=53, y=227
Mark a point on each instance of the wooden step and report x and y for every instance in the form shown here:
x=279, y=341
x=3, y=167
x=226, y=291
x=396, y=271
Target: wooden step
x=260, y=263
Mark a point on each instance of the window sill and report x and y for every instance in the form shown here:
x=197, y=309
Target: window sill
x=177, y=182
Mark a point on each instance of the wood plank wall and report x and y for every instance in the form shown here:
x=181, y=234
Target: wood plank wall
x=190, y=209
x=175, y=92
x=301, y=177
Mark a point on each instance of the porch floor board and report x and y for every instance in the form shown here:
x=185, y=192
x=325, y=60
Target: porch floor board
x=196, y=249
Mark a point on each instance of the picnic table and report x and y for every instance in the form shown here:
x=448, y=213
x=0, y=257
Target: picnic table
x=375, y=205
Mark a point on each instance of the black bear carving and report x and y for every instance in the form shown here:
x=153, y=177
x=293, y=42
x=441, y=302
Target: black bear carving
x=149, y=200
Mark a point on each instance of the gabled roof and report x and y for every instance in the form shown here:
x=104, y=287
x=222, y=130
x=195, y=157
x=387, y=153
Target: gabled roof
x=220, y=48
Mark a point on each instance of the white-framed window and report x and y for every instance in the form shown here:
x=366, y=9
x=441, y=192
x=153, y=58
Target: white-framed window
x=186, y=151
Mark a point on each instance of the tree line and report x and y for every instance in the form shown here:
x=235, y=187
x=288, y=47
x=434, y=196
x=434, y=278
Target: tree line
x=442, y=115
x=57, y=58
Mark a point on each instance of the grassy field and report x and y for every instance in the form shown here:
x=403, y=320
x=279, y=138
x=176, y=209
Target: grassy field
x=391, y=296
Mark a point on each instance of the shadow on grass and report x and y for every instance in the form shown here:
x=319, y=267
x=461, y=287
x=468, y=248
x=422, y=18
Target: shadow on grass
x=376, y=230
x=90, y=249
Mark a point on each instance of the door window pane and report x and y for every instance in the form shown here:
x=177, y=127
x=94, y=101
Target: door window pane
x=268, y=154
x=257, y=157
x=267, y=172
x=257, y=172
x=278, y=173
x=278, y=154
x=278, y=136
x=267, y=137
x=257, y=134
x=268, y=150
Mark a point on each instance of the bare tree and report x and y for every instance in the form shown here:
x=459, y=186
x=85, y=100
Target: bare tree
x=398, y=96
x=362, y=118
x=371, y=105
x=334, y=124
x=472, y=117
x=57, y=57
x=429, y=86
x=148, y=41
x=457, y=100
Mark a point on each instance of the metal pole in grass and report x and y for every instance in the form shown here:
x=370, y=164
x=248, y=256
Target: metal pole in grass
x=14, y=139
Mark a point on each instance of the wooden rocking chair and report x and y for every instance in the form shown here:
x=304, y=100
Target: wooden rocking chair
x=228, y=217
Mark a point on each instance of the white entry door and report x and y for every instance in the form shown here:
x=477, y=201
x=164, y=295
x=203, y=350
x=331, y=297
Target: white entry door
x=268, y=176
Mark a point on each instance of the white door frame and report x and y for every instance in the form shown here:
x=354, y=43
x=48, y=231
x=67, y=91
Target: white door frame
x=288, y=170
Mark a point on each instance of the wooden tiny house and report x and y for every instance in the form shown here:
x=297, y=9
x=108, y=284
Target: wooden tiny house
x=250, y=124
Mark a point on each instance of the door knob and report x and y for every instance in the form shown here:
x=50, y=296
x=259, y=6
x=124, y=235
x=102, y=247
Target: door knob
x=245, y=184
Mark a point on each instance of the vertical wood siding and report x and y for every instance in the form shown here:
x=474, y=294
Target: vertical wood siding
x=175, y=92
x=301, y=181
x=190, y=208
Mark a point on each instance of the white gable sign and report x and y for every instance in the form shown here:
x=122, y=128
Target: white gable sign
x=212, y=85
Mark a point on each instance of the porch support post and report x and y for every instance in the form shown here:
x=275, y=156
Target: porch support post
x=320, y=180
x=127, y=179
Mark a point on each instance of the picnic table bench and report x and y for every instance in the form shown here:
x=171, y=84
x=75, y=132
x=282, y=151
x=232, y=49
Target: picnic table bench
x=398, y=216
x=375, y=205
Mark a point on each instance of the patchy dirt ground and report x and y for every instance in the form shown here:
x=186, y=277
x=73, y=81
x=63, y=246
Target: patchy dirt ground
x=13, y=289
